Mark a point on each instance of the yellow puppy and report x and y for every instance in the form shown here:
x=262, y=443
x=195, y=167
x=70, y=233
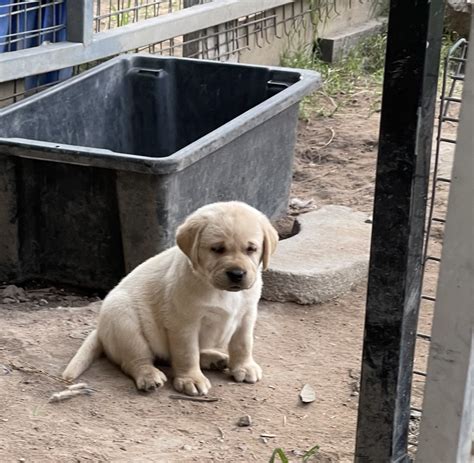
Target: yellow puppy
x=194, y=304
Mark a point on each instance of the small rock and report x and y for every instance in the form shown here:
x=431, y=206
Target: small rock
x=14, y=292
x=43, y=302
x=353, y=374
x=297, y=203
x=415, y=414
x=186, y=447
x=244, y=421
x=21, y=460
x=8, y=300
x=4, y=370
x=355, y=388
x=307, y=394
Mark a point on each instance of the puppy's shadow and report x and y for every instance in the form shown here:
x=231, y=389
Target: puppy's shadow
x=104, y=374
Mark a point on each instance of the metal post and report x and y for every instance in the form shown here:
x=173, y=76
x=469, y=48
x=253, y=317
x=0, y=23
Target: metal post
x=406, y=127
x=80, y=21
x=448, y=414
x=191, y=42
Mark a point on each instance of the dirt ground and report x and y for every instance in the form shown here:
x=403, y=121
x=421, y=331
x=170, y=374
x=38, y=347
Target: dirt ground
x=296, y=345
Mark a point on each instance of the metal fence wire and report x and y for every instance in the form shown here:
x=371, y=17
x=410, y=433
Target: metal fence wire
x=28, y=23
x=448, y=119
x=223, y=42
x=109, y=14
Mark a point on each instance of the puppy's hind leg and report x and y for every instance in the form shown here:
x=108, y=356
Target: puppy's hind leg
x=126, y=346
x=212, y=359
x=140, y=367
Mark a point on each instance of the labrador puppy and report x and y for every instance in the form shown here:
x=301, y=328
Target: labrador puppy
x=194, y=304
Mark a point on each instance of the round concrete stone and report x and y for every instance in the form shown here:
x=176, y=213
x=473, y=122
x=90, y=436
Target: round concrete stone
x=328, y=256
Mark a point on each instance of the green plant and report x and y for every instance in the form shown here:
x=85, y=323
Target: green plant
x=279, y=452
x=122, y=17
x=361, y=68
x=312, y=451
x=321, y=11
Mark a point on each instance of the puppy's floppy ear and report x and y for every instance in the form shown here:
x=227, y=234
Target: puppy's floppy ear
x=188, y=236
x=270, y=241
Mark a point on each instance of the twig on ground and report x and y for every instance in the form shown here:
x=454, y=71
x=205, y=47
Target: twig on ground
x=27, y=368
x=331, y=100
x=193, y=398
x=333, y=133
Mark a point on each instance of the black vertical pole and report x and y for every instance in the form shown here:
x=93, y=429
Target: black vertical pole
x=395, y=271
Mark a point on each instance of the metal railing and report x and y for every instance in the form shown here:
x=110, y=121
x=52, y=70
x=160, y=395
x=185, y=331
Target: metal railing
x=225, y=41
x=110, y=14
x=83, y=45
x=448, y=117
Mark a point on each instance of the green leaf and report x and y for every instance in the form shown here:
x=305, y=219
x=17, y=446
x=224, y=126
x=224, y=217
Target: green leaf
x=310, y=453
x=281, y=455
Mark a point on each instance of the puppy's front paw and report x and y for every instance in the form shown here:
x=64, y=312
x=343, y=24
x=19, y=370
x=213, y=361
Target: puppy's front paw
x=149, y=378
x=192, y=384
x=250, y=372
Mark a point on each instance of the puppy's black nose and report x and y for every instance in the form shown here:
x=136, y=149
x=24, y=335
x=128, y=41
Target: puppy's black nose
x=236, y=275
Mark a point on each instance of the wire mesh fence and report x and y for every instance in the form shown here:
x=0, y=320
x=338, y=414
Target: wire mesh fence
x=223, y=42
x=109, y=14
x=26, y=24
x=229, y=40
x=448, y=119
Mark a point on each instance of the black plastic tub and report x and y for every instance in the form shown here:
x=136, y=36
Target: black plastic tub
x=96, y=173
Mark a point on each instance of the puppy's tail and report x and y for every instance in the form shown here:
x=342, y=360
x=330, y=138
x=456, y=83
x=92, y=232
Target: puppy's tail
x=90, y=350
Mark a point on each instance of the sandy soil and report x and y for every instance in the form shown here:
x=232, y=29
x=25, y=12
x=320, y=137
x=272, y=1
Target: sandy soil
x=296, y=345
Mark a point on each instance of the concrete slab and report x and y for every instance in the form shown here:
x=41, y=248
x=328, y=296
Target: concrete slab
x=336, y=46
x=328, y=256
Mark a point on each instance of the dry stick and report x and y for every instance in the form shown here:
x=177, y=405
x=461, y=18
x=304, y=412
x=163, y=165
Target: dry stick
x=331, y=100
x=27, y=368
x=193, y=398
x=333, y=133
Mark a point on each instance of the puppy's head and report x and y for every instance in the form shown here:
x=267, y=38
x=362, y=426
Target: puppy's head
x=227, y=242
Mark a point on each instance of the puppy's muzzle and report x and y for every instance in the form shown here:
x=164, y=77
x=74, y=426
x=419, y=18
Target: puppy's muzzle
x=236, y=275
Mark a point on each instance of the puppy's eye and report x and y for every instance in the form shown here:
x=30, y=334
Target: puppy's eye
x=218, y=249
x=251, y=249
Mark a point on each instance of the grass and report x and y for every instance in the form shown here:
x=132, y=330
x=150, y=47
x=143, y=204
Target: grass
x=279, y=453
x=360, y=71
x=362, y=68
